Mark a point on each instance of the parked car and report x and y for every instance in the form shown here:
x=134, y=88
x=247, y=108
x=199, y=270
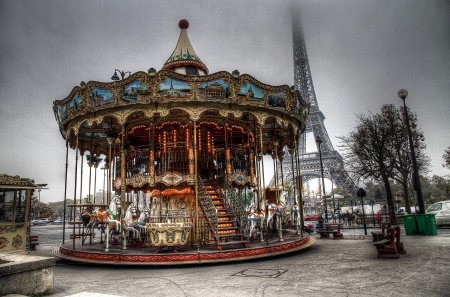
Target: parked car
x=402, y=211
x=312, y=217
x=38, y=222
x=442, y=211
x=58, y=221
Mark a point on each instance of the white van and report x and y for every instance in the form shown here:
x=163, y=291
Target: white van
x=442, y=211
x=402, y=210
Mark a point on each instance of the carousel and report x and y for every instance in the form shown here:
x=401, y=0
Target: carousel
x=183, y=155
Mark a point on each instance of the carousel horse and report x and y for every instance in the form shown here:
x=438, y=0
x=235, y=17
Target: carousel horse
x=255, y=218
x=130, y=220
x=278, y=210
x=98, y=218
x=154, y=210
x=142, y=221
x=295, y=215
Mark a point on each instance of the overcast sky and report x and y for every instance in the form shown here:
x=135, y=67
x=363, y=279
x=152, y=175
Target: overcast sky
x=360, y=53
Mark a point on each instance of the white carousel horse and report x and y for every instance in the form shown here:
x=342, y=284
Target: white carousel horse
x=130, y=219
x=254, y=217
x=154, y=210
x=295, y=215
x=279, y=210
x=142, y=221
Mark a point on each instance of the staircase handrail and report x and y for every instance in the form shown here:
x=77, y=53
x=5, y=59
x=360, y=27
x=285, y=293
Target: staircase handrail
x=236, y=205
x=209, y=208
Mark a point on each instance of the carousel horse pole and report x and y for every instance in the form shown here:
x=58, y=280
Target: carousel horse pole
x=112, y=212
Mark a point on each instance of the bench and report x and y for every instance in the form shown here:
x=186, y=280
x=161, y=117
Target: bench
x=33, y=242
x=380, y=235
x=331, y=228
x=391, y=246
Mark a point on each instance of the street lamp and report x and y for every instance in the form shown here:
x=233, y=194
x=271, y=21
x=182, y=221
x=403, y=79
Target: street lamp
x=319, y=142
x=122, y=74
x=416, y=181
x=361, y=193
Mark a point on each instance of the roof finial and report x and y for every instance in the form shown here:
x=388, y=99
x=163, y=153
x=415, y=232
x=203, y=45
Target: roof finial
x=183, y=24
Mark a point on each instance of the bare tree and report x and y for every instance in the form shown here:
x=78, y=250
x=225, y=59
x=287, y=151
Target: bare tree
x=379, y=149
x=367, y=151
x=400, y=152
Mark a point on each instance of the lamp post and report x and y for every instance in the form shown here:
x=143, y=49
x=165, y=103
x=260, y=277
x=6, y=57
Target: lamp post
x=319, y=142
x=361, y=193
x=416, y=181
x=373, y=214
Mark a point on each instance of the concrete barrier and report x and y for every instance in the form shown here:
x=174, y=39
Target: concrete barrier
x=26, y=275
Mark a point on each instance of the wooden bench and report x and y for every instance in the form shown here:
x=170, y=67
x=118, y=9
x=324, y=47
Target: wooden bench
x=33, y=242
x=391, y=246
x=331, y=228
x=380, y=235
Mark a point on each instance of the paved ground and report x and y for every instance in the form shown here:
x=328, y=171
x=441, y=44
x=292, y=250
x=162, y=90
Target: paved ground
x=346, y=267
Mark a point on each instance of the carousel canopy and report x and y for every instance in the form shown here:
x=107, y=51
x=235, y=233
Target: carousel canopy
x=184, y=60
x=180, y=94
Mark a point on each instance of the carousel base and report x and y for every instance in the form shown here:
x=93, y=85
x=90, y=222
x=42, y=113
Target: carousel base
x=205, y=254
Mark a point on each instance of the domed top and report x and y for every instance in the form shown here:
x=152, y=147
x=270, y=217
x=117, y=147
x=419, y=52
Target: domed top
x=184, y=60
x=183, y=24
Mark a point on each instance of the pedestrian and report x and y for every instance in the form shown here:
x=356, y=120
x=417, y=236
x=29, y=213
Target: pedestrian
x=346, y=219
x=379, y=218
x=320, y=221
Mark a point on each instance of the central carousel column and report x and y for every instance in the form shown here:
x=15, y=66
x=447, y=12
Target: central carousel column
x=197, y=234
x=123, y=187
x=250, y=159
x=152, y=156
x=227, y=153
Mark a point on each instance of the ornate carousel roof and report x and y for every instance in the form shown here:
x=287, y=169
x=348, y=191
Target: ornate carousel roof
x=180, y=93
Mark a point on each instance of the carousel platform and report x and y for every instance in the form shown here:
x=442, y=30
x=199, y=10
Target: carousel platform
x=205, y=254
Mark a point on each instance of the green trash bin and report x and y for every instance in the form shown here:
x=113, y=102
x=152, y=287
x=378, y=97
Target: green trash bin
x=426, y=224
x=421, y=223
x=430, y=224
x=410, y=223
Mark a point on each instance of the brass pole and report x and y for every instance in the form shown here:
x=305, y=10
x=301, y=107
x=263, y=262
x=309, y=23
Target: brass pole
x=75, y=192
x=123, y=187
x=263, y=186
x=299, y=186
x=65, y=189
x=196, y=185
x=108, y=199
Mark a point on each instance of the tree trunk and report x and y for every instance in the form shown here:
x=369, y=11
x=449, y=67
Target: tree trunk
x=390, y=202
x=405, y=194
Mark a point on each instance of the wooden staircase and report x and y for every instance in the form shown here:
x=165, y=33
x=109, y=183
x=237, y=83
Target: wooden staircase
x=228, y=230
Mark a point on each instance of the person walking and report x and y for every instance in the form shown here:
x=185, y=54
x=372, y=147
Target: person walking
x=379, y=217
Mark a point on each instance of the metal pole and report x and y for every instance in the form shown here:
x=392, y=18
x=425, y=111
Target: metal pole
x=197, y=234
x=364, y=216
x=75, y=193
x=332, y=190
x=319, y=141
x=65, y=188
x=402, y=94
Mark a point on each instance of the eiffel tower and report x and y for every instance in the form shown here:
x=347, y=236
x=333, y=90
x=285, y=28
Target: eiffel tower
x=333, y=164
